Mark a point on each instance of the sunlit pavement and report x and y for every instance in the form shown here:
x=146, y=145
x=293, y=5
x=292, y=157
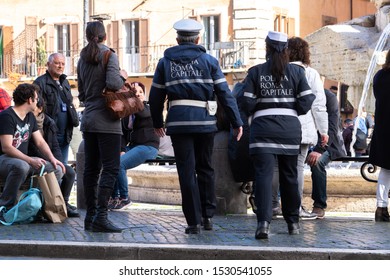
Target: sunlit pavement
x=157, y=232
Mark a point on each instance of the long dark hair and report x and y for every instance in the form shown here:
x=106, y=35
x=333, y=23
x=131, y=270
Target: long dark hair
x=386, y=66
x=279, y=61
x=41, y=104
x=95, y=34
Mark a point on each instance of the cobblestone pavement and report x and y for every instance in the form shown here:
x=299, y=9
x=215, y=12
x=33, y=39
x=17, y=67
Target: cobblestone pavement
x=165, y=228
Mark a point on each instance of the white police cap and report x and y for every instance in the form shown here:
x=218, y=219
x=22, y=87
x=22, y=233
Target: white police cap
x=188, y=27
x=277, y=36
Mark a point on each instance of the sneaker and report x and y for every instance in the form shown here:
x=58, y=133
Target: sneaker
x=72, y=207
x=122, y=203
x=382, y=214
x=72, y=213
x=277, y=211
x=304, y=215
x=319, y=212
x=113, y=202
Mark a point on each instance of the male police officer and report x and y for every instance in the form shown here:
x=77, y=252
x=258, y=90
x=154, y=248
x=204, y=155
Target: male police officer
x=192, y=79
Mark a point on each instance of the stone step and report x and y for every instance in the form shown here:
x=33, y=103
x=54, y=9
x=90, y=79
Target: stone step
x=347, y=190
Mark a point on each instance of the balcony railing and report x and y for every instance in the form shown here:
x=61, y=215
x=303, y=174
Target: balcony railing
x=231, y=55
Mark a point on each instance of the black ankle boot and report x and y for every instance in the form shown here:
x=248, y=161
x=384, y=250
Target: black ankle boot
x=100, y=222
x=207, y=223
x=262, y=230
x=293, y=228
x=88, y=223
x=382, y=214
x=195, y=229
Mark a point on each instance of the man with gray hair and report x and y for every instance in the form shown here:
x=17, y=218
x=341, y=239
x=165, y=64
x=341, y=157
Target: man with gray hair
x=55, y=90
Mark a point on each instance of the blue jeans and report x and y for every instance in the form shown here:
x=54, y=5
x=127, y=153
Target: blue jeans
x=134, y=156
x=318, y=177
x=64, y=147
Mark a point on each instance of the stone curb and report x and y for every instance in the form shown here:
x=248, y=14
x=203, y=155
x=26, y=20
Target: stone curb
x=128, y=251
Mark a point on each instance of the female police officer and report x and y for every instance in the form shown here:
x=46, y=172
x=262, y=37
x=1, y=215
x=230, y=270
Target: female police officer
x=276, y=92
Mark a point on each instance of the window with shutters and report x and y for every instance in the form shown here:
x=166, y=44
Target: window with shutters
x=211, y=33
x=135, y=38
x=285, y=24
x=63, y=39
x=132, y=36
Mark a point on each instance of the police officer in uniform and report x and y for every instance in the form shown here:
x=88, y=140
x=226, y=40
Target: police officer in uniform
x=276, y=92
x=191, y=80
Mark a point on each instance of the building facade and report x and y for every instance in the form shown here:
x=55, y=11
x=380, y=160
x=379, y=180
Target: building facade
x=140, y=30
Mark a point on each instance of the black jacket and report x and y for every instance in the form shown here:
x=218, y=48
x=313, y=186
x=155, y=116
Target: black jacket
x=50, y=135
x=276, y=132
x=142, y=132
x=187, y=72
x=50, y=93
x=335, y=146
x=380, y=148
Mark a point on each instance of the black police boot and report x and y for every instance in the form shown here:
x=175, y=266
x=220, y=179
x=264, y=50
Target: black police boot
x=262, y=230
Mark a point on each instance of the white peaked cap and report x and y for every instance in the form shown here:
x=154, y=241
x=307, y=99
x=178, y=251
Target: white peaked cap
x=277, y=36
x=188, y=26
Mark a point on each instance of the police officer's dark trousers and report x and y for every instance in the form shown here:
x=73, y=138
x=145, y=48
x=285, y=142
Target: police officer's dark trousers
x=288, y=179
x=193, y=154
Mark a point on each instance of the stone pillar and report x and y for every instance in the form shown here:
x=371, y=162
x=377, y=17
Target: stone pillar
x=80, y=160
x=230, y=199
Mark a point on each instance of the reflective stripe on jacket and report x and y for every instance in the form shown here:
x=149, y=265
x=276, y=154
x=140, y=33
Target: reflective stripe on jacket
x=279, y=132
x=187, y=72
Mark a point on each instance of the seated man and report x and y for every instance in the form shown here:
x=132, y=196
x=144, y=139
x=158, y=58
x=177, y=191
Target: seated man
x=18, y=128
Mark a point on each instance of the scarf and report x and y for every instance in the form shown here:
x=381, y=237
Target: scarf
x=40, y=119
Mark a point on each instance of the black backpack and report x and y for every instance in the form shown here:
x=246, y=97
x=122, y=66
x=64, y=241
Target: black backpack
x=361, y=140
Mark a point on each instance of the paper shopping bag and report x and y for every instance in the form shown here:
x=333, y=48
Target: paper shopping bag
x=54, y=205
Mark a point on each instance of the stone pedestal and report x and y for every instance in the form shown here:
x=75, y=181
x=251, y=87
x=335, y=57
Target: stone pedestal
x=230, y=199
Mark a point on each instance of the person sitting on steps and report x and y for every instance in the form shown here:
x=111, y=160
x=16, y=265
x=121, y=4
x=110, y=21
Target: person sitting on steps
x=48, y=128
x=18, y=128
